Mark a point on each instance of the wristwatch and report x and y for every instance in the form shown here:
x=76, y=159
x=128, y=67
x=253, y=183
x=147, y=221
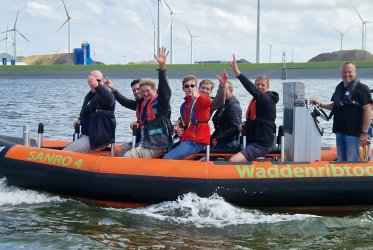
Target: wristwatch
x=364, y=132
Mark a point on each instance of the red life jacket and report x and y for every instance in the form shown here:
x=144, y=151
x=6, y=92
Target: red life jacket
x=147, y=107
x=251, y=110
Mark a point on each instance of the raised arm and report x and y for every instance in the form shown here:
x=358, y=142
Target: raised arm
x=164, y=90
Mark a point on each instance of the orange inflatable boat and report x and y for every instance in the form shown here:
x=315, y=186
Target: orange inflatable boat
x=122, y=182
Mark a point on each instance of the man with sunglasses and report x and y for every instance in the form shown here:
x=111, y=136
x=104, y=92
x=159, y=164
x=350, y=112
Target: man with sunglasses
x=96, y=117
x=194, y=128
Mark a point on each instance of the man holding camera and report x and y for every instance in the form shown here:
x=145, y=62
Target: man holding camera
x=351, y=107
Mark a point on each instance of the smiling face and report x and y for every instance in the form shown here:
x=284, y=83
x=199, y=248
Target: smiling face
x=348, y=73
x=205, y=88
x=148, y=89
x=261, y=84
x=136, y=91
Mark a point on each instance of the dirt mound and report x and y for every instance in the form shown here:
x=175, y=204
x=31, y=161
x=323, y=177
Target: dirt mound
x=344, y=55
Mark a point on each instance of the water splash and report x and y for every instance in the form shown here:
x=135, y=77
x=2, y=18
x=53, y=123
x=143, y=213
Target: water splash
x=15, y=196
x=210, y=212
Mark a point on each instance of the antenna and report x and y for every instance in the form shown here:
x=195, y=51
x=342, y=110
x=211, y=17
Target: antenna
x=68, y=20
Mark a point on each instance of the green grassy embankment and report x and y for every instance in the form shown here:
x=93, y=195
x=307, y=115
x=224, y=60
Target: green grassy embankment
x=142, y=67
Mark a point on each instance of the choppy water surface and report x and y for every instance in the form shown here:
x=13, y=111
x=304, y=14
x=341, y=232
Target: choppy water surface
x=30, y=219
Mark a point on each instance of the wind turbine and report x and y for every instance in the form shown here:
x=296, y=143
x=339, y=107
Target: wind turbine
x=6, y=39
x=342, y=33
x=270, y=51
x=15, y=30
x=68, y=20
x=191, y=44
x=363, y=30
x=172, y=13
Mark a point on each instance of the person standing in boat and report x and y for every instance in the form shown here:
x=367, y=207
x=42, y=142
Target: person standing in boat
x=194, y=115
x=226, y=120
x=351, y=110
x=96, y=117
x=133, y=104
x=260, y=116
x=154, y=114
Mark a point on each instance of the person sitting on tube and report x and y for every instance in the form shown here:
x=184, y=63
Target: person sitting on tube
x=154, y=115
x=194, y=128
x=260, y=116
x=96, y=117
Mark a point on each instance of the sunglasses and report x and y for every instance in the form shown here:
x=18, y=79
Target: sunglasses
x=187, y=86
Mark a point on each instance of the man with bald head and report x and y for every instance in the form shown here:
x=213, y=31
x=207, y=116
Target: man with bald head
x=96, y=117
x=351, y=107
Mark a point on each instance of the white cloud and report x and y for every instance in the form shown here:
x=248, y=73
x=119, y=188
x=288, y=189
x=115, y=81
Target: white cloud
x=41, y=10
x=95, y=8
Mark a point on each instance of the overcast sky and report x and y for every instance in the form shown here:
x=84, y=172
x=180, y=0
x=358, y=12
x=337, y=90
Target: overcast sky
x=121, y=31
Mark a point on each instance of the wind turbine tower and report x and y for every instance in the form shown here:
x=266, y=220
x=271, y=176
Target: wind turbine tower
x=15, y=30
x=172, y=13
x=342, y=33
x=363, y=30
x=68, y=20
x=158, y=30
x=258, y=34
x=191, y=45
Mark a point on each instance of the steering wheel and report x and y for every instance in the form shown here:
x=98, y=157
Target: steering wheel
x=317, y=111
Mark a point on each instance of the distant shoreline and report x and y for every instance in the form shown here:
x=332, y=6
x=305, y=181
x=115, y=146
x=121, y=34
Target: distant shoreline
x=178, y=74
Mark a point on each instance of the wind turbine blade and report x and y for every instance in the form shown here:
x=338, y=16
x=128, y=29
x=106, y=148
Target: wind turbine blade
x=358, y=13
x=15, y=23
x=63, y=25
x=340, y=32
x=64, y=5
x=153, y=21
x=347, y=30
x=168, y=6
x=188, y=30
x=5, y=31
x=23, y=36
x=164, y=8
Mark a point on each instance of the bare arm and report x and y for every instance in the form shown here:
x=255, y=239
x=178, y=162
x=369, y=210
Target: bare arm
x=328, y=106
x=367, y=112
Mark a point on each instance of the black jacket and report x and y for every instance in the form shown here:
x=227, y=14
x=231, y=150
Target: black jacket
x=262, y=129
x=97, y=117
x=226, y=120
x=130, y=104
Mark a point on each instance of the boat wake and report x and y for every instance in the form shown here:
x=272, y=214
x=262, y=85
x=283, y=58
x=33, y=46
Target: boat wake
x=211, y=212
x=15, y=196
